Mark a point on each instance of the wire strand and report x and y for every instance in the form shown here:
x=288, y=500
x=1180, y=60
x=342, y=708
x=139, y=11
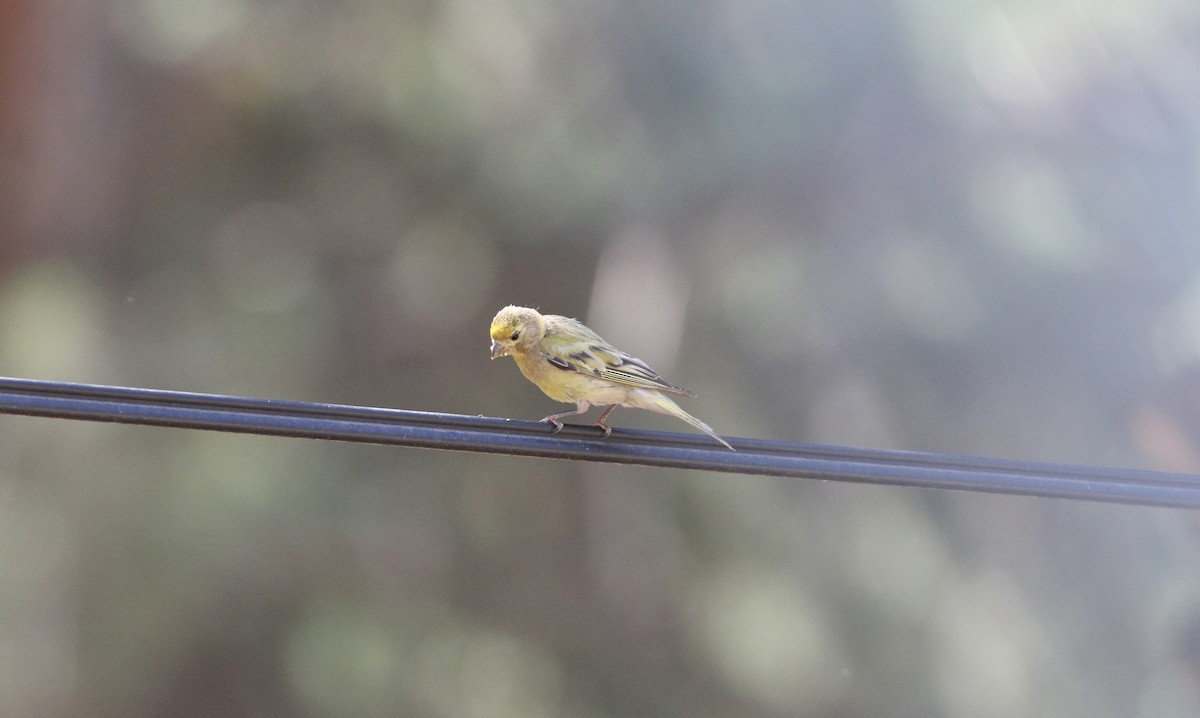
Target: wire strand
x=336, y=422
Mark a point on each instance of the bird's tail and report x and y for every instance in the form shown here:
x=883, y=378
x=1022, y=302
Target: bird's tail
x=666, y=406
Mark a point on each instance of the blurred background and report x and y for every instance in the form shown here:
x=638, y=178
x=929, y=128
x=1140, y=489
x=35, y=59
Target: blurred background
x=956, y=227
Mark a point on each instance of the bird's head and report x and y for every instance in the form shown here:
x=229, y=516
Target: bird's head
x=516, y=329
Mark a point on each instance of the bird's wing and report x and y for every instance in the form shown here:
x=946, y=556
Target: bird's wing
x=571, y=346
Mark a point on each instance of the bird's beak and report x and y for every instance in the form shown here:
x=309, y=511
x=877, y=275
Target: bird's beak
x=497, y=350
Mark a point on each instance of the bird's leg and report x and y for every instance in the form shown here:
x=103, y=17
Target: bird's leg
x=600, y=422
x=556, y=419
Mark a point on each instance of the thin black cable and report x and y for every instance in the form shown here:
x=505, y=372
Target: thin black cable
x=649, y=448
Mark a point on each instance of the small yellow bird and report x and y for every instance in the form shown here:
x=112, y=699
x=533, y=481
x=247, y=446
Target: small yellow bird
x=571, y=363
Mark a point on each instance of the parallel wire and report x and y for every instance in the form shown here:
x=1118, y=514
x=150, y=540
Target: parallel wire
x=337, y=422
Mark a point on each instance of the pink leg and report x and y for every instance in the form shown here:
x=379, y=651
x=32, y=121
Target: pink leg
x=600, y=422
x=556, y=419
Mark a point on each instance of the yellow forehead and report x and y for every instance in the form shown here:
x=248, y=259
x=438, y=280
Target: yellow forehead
x=501, y=328
x=510, y=319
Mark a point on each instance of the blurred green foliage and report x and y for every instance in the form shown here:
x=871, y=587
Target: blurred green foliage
x=959, y=227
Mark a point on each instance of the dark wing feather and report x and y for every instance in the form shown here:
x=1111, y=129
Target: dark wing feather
x=572, y=346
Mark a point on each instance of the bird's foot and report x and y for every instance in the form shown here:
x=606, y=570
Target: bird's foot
x=552, y=419
x=606, y=427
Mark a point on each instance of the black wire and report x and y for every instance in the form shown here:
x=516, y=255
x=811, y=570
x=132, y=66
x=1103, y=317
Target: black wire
x=649, y=448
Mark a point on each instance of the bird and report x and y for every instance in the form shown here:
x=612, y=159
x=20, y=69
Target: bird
x=573, y=364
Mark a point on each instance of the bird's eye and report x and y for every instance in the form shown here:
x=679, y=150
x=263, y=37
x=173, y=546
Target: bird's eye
x=515, y=336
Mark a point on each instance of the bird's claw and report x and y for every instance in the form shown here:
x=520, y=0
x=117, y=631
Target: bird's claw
x=555, y=419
